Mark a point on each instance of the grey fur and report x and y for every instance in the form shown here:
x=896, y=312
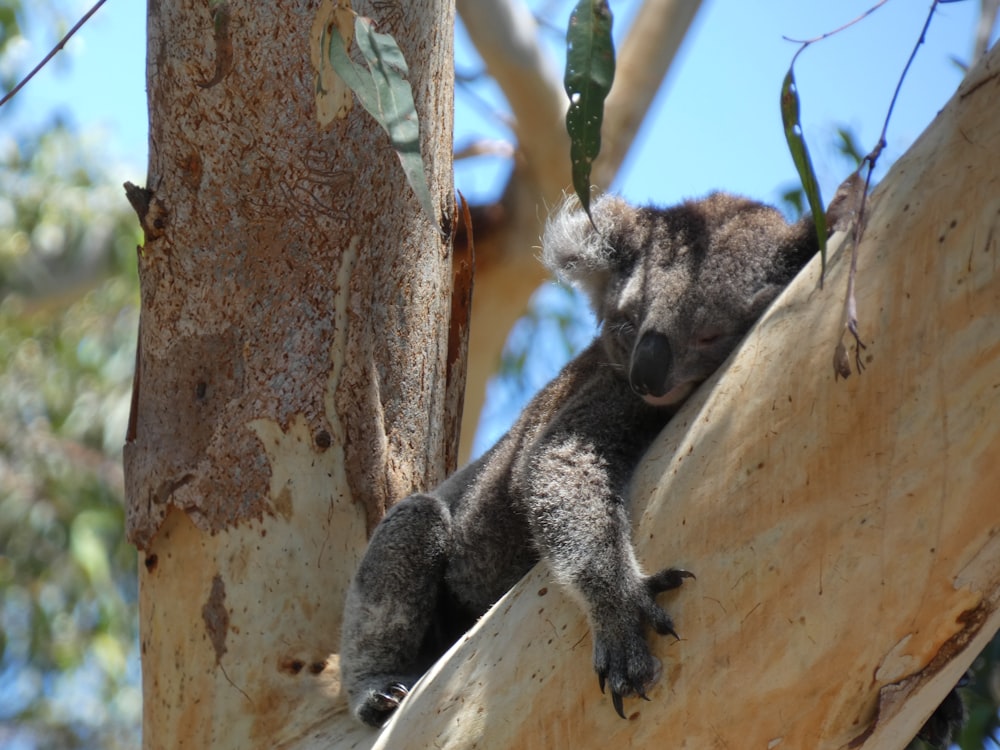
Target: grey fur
x=675, y=290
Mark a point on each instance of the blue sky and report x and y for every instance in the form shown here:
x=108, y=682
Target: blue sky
x=716, y=122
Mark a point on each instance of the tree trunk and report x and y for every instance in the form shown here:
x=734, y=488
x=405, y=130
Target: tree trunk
x=845, y=534
x=292, y=376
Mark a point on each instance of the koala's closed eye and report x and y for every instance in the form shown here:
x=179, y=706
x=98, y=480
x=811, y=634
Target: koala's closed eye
x=709, y=337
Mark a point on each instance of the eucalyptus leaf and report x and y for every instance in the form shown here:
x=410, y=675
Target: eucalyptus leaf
x=384, y=92
x=590, y=71
x=803, y=164
x=357, y=77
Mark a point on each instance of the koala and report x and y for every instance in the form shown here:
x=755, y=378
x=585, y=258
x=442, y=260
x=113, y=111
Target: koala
x=674, y=290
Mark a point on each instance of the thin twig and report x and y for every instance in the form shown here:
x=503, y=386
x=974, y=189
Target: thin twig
x=873, y=156
x=850, y=317
x=797, y=144
x=485, y=106
x=899, y=84
x=62, y=43
x=806, y=42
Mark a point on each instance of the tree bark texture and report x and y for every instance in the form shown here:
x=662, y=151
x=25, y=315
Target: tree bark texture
x=845, y=534
x=293, y=371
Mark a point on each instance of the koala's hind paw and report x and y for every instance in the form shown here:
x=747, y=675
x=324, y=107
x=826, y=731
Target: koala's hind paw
x=379, y=705
x=947, y=720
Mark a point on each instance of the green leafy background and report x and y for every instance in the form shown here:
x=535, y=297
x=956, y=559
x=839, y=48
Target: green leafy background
x=69, y=673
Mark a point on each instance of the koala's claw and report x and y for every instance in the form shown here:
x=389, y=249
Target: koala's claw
x=617, y=698
x=667, y=580
x=392, y=696
x=381, y=704
x=622, y=686
x=621, y=654
x=616, y=701
x=668, y=629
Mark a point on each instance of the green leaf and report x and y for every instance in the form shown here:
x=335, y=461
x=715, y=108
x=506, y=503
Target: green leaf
x=803, y=164
x=384, y=92
x=590, y=71
x=357, y=77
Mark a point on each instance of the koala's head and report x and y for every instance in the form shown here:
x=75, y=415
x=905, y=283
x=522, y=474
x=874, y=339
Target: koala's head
x=675, y=289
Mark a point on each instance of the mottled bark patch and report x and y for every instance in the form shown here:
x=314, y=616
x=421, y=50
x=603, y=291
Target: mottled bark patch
x=188, y=443
x=216, y=617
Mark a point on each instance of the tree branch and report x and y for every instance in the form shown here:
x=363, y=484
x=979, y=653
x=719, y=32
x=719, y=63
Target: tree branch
x=506, y=36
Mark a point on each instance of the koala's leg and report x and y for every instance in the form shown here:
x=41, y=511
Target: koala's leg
x=390, y=605
x=583, y=530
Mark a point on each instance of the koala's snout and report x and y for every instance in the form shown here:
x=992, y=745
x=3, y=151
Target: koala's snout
x=651, y=373
x=651, y=362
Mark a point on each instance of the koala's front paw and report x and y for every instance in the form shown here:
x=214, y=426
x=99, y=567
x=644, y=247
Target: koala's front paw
x=376, y=706
x=621, y=655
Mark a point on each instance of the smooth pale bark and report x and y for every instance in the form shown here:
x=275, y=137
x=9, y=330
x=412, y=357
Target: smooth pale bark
x=295, y=372
x=845, y=534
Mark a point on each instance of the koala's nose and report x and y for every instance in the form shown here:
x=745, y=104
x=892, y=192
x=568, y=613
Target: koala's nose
x=651, y=360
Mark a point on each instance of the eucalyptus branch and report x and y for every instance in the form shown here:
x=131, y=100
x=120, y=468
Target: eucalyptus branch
x=806, y=42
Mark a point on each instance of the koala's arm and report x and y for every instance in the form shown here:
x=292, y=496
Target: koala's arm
x=573, y=480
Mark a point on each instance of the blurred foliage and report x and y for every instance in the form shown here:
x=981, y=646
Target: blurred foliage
x=46, y=18
x=69, y=666
x=11, y=20
x=981, y=696
x=982, y=699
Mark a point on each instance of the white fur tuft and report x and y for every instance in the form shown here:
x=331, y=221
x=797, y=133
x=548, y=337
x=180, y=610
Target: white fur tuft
x=574, y=250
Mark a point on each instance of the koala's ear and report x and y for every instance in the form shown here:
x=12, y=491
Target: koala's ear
x=577, y=252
